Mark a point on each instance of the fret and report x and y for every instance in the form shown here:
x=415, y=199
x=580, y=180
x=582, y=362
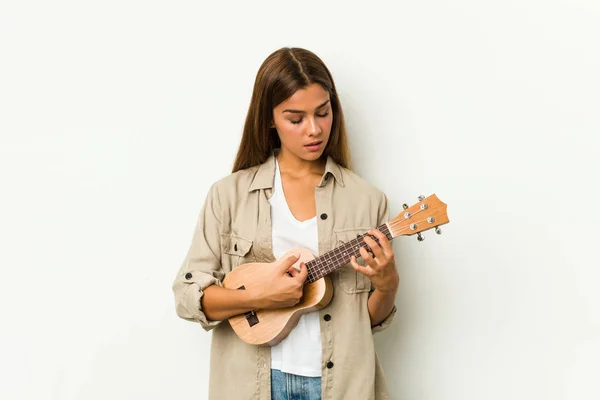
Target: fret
x=339, y=256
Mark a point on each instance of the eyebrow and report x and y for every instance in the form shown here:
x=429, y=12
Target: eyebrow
x=302, y=112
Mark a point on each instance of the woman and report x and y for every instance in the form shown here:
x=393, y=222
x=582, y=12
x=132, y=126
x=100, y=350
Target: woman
x=291, y=187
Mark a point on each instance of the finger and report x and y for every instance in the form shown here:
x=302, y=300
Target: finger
x=303, y=273
x=384, y=243
x=287, y=262
x=367, y=257
x=363, y=270
x=293, y=271
x=375, y=248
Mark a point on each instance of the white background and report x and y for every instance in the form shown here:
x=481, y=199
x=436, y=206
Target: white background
x=116, y=116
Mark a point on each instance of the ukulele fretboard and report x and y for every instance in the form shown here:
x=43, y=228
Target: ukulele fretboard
x=340, y=256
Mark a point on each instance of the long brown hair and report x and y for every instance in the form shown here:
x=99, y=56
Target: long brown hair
x=279, y=77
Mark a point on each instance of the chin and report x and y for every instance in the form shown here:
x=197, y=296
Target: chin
x=312, y=156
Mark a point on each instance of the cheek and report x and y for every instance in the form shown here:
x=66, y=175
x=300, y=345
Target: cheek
x=289, y=134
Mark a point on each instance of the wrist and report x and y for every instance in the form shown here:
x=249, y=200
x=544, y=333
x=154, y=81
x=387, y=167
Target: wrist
x=256, y=299
x=387, y=290
x=389, y=287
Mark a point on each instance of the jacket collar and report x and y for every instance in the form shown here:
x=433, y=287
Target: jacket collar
x=265, y=175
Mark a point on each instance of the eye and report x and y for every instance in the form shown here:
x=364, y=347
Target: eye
x=300, y=120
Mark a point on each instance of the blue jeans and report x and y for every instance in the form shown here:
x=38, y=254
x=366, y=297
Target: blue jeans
x=286, y=386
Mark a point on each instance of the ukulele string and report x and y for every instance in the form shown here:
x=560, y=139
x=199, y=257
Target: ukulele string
x=314, y=265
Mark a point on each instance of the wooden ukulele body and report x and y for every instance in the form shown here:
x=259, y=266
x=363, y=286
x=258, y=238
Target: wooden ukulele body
x=268, y=327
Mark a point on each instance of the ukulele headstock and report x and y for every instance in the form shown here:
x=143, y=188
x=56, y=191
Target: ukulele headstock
x=428, y=213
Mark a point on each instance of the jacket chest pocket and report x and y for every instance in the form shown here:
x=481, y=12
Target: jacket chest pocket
x=236, y=251
x=350, y=280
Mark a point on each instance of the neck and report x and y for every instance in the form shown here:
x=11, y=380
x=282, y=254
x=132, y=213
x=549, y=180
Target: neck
x=298, y=167
x=340, y=256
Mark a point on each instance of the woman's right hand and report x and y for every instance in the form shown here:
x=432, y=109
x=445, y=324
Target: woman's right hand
x=283, y=286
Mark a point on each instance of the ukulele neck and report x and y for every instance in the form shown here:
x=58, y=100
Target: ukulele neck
x=340, y=256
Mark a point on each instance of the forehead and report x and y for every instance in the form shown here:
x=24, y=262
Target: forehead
x=308, y=98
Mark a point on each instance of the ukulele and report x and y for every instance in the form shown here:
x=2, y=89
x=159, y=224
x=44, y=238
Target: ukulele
x=268, y=327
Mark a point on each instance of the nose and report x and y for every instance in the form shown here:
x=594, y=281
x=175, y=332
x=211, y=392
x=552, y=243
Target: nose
x=313, y=128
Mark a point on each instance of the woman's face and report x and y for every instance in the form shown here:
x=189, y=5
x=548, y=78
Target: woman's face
x=304, y=121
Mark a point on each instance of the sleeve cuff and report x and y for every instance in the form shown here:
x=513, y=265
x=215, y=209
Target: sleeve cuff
x=190, y=307
x=385, y=323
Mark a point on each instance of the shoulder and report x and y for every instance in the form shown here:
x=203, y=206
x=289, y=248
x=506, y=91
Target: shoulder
x=235, y=185
x=242, y=178
x=357, y=184
x=359, y=194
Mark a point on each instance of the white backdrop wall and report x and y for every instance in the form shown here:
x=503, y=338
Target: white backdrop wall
x=116, y=116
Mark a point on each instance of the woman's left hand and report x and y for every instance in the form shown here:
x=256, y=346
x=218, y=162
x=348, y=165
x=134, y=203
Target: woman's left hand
x=381, y=269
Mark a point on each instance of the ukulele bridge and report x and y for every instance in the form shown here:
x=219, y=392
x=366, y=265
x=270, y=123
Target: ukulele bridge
x=251, y=316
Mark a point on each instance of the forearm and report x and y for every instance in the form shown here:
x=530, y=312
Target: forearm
x=380, y=305
x=219, y=303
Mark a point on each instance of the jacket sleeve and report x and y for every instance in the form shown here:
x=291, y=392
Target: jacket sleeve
x=202, y=265
x=382, y=217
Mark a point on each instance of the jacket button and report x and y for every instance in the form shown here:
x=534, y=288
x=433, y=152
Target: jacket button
x=188, y=276
x=323, y=216
x=327, y=317
x=329, y=364
x=235, y=247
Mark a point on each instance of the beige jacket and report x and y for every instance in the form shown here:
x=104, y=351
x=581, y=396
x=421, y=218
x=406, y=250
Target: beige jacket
x=234, y=228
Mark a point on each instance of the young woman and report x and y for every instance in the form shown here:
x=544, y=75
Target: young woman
x=291, y=187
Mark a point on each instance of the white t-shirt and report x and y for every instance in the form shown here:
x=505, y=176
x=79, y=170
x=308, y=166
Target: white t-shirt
x=300, y=352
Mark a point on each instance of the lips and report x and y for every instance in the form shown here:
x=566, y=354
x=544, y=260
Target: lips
x=314, y=143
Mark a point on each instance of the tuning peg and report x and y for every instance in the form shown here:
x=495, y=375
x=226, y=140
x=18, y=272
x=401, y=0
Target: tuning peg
x=438, y=230
x=405, y=206
x=421, y=198
x=420, y=237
